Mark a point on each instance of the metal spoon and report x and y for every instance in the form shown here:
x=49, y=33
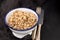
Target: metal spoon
x=36, y=32
x=40, y=12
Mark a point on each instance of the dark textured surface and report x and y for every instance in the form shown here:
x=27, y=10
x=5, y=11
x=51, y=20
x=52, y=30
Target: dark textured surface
x=51, y=27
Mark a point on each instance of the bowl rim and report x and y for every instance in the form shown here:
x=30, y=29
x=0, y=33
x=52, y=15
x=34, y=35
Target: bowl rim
x=24, y=29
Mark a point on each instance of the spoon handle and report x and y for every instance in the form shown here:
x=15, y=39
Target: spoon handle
x=34, y=33
x=38, y=32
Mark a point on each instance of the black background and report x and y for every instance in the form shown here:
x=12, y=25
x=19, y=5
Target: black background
x=51, y=27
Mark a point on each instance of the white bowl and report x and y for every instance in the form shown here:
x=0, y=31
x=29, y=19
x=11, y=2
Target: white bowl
x=21, y=33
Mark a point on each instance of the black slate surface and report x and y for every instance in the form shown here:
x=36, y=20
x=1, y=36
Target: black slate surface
x=51, y=27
